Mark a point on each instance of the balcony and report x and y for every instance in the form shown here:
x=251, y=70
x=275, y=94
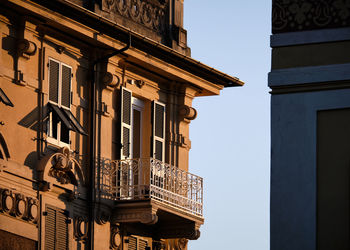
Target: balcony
x=151, y=192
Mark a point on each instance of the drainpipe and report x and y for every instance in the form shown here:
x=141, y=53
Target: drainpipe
x=92, y=143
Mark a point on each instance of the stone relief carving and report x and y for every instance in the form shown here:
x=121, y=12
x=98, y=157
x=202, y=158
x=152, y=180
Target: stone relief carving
x=19, y=205
x=116, y=241
x=297, y=15
x=80, y=228
x=60, y=167
x=150, y=13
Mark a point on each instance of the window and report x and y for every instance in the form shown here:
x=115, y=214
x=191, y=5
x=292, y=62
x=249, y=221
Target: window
x=131, y=127
x=56, y=229
x=60, y=120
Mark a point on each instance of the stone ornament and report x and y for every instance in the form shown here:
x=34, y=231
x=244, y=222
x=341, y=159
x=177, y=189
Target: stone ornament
x=60, y=168
x=18, y=205
x=102, y=217
x=116, y=238
x=178, y=244
x=27, y=47
x=111, y=80
x=187, y=112
x=297, y=15
x=150, y=13
x=80, y=227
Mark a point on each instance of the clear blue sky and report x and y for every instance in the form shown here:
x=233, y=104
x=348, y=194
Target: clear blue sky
x=231, y=135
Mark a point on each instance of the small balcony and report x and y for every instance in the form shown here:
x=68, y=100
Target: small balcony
x=151, y=192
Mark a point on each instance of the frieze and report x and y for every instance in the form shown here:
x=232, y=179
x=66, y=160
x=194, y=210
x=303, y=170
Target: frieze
x=150, y=13
x=299, y=15
x=18, y=205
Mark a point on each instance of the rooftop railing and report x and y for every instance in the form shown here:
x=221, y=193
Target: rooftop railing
x=138, y=179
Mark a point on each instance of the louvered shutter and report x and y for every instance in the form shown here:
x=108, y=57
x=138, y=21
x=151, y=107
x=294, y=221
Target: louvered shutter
x=158, y=130
x=126, y=96
x=132, y=243
x=142, y=244
x=56, y=230
x=50, y=229
x=66, y=86
x=53, y=80
x=61, y=231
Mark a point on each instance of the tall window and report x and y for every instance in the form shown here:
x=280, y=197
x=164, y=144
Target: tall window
x=131, y=127
x=60, y=120
x=60, y=96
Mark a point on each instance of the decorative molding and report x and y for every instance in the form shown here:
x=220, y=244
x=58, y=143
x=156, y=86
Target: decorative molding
x=116, y=241
x=312, y=74
x=18, y=205
x=178, y=233
x=102, y=217
x=187, y=112
x=145, y=217
x=111, y=80
x=26, y=48
x=80, y=228
x=150, y=13
x=60, y=168
x=297, y=15
x=310, y=37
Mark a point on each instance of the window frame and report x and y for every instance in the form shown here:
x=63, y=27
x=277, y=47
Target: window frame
x=49, y=131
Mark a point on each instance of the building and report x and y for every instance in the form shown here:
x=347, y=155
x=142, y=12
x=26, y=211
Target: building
x=96, y=101
x=310, y=107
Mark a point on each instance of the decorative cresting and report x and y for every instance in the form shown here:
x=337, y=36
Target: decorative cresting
x=137, y=179
x=60, y=168
x=18, y=205
x=150, y=13
x=297, y=15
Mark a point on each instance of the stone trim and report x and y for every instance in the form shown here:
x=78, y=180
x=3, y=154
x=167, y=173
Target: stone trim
x=313, y=74
x=310, y=37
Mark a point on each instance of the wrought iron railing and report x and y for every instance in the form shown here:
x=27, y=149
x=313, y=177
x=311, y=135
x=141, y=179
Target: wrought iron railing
x=137, y=179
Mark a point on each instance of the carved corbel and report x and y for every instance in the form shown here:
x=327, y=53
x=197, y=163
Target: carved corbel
x=102, y=217
x=187, y=113
x=111, y=80
x=26, y=48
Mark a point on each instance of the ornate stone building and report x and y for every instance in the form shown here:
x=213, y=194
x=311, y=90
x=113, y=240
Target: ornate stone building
x=310, y=125
x=95, y=106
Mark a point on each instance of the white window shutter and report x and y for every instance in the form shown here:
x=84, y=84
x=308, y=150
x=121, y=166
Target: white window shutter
x=126, y=96
x=158, y=131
